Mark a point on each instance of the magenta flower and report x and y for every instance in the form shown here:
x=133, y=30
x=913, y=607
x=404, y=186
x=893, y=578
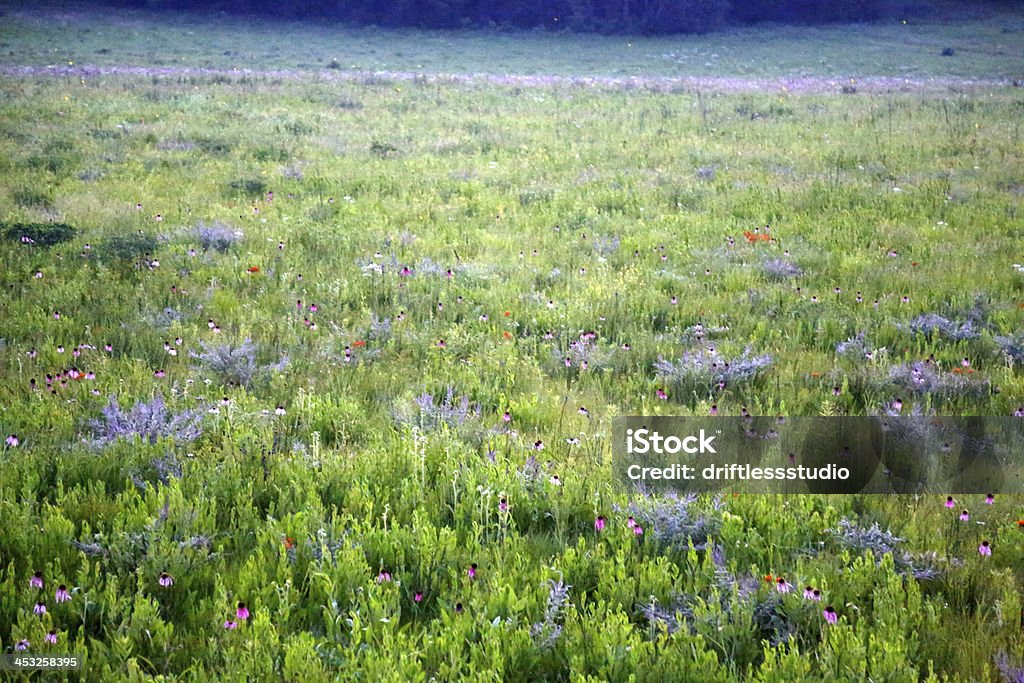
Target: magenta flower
x=782, y=586
x=62, y=594
x=714, y=410
x=417, y=596
x=472, y=571
x=990, y=499
x=812, y=593
x=964, y=516
x=440, y=344
x=384, y=576
x=599, y=523
x=39, y=609
x=165, y=580
x=538, y=445
x=984, y=549
x=660, y=394
x=503, y=505
x=630, y=523
x=51, y=638
x=507, y=416
x=830, y=615
x=230, y=625
x=36, y=580
x=950, y=503
x=12, y=441
x=22, y=645
x=242, y=612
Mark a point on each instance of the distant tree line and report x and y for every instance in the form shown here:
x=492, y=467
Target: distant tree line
x=604, y=16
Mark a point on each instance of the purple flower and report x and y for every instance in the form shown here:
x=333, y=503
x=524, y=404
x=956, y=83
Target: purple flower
x=242, y=612
x=12, y=441
x=812, y=593
x=62, y=594
x=230, y=625
x=507, y=417
x=166, y=580
x=830, y=614
x=638, y=530
x=22, y=645
x=964, y=516
x=384, y=576
x=538, y=445
x=417, y=596
x=51, y=638
x=950, y=503
x=36, y=581
x=990, y=499
x=458, y=608
x=599, y=523
x=472, y=571
x=503, y=505
x=39, y=609
x=984, y=549
x=783, y=586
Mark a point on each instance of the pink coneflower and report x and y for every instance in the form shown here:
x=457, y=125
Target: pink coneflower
x=279, y=410
x=471, y=572
x=584, y=412
x=990, y=499
x=568, y=362
x=714, y=410
x=506, y=416
x=830, y=614
x=62, y=594
x=36, y=581
x=242, y=612
x=440, y=343
x=503, y=505
x=782, y=586
x=812, y=593
x=599, y=523
x=417, y=596
x=12, y=441
x=22, y=645
x=538, y=445
x=39, y=609
x=449, y=274
x=230, y=625
x=313, y=308
x=458, y=608
x=158, y=374
x=836, y=391
x=384, y=576
x=950, y=503
x=630, y=522
x=638, y=530
x=165, y=580
x=555, y=480
x=660, y=394
x=60, y=349
x=964, y=516
x=51, y=638
x=984, y=549
x=674, y=301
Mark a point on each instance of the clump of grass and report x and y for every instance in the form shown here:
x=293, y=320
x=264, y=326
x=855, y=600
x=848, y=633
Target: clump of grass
x=40, y=234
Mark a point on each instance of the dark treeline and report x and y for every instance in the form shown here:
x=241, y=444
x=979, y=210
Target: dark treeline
x=605, y=16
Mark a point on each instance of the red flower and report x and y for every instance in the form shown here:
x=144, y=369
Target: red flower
x=359, y=343
x=507, y=334
x=508, y=313
x=254, y=269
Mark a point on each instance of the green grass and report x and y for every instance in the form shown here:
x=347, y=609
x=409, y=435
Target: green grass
x=890, y=194
x=987, y=44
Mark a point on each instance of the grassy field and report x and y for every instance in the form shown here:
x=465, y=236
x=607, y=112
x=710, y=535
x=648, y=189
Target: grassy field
x=309, y=377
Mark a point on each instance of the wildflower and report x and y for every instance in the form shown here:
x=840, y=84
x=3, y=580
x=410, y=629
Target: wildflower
x=417, y=596
x=242, y=612
x=62, y=594
x=165, y=580
x=599, y=523
x=984, y=549
x=159, y=373
x=830, y=615
x=674, y=301
x=51, y=638
x=22, y=645
x=538, y=445
x=359, y=342
x=555, y=481
x=964, y=516
x=279, y=410
x=950, y=503
x=39, y=609
x=506, y=416
x=897, y=405
x=714, y=410
x=638, y=530
x=36, y=581
x=812, y=593
x=384, y=576
x=782, y=586
x=660, y=393
x=836, y=391
x=12, y=440
x=584, y=412
x=440, y=344
x=458, y=608
x=471, y=573
x=990, y=499
x=630, y=523
x=230, y=625
x=503, y=505
x=253, y=269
